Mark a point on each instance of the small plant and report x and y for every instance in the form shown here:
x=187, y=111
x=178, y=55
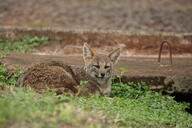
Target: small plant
x=82, y=84
x=119, y=76
x=129, y=90
x=8, y=77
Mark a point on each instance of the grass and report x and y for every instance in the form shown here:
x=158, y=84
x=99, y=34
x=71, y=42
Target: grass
x=139, y=108
x=23, y=46
x=8, y=77
x=25, y=108
x=129, y=105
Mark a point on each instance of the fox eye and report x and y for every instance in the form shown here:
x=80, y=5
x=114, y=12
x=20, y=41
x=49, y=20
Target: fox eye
x=107, y=67
x=96, y=66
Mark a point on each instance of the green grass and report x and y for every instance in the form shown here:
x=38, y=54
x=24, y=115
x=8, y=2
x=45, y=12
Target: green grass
x=130, y=104
x=135, y=105
x=8, y=77
x=25, y=108
x=23, y=46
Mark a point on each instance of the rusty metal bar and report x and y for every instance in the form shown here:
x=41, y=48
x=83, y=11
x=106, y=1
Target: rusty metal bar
x=170, y=51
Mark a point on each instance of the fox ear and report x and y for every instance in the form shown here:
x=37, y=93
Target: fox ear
x=87, y=52
x=114, y=55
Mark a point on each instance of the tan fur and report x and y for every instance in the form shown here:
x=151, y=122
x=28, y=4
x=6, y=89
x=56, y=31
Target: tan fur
x=97, y=72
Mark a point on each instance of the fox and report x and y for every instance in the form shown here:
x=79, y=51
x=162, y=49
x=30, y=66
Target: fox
x=97, y=73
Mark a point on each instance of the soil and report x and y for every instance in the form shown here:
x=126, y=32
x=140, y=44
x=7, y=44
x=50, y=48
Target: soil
x=125, y=15
x=142, y=45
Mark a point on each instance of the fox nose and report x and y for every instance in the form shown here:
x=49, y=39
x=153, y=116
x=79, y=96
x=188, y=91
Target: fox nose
x=102, y=74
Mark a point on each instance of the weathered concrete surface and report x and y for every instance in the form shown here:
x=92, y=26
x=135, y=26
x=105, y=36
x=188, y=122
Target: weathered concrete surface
x=177, y=77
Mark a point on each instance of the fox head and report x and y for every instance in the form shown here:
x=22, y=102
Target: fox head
x=99, y=67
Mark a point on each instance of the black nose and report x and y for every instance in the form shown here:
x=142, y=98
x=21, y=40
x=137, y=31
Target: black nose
x=102, y=74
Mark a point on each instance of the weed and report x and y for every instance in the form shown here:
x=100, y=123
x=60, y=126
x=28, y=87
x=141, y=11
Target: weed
x=26, y=45
x=8, y=77
x=129, y=90
x=137, y=106
x=119, y=76
x=82, y=84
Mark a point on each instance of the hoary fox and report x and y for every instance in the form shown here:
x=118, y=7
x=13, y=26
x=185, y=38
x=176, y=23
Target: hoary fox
x=97, y=72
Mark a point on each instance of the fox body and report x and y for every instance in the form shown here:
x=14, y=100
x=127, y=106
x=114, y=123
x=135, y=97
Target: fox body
x=97, y=72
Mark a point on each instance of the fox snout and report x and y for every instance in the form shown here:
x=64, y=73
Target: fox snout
x=100, y=75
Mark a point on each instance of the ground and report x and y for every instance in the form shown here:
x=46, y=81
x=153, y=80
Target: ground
x=137, y=27
x=145, y=16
